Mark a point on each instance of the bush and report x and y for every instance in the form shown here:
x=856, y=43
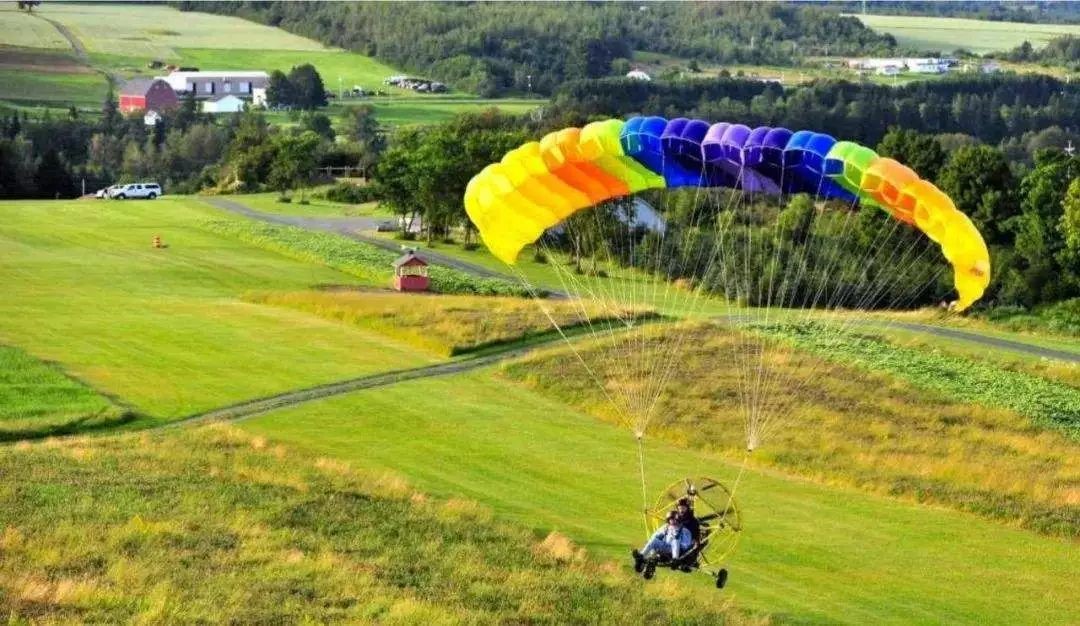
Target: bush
x=348, y=193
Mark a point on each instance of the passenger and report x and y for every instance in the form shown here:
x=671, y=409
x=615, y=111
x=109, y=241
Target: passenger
x=668, y=542
x=686, y=515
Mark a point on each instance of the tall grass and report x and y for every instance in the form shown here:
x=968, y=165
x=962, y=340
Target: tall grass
x=217, y=526
x=38, y=399
x=848, y=421
x=446, y=325
x=366, y=262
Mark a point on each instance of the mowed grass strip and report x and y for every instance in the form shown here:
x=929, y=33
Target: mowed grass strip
x=37, y=400
x=835, y=418
x=443, y=325
x=809, y=553
x=364, y=261
x=218, y=526
x=945, y=34
x=166, y=330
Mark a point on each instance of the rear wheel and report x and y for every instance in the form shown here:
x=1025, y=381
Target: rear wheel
x=152, y=195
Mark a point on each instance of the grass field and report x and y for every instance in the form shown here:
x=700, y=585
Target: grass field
x=268, y=203
x=930, y=430
x=167, y=330
x=810, y=553
x=945, y=34
x=217, y=526
x=443, y=325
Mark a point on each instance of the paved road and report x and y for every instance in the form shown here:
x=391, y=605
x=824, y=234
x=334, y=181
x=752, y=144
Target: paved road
x=986, y=340
x=351, y=227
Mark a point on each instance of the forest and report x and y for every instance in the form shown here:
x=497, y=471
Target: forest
x=499, y=48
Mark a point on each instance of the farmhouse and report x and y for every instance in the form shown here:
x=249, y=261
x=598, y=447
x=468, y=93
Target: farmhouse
x=223, y=104
x=211, y=85
x=147, y=94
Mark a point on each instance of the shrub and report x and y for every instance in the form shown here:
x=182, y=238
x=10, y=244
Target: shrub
x=348, y=193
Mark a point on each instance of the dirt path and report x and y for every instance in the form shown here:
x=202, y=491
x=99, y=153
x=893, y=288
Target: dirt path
x=252, y=408
x=80, y=50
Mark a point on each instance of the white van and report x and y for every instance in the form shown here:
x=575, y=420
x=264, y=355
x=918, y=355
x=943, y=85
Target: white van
x=135, y=190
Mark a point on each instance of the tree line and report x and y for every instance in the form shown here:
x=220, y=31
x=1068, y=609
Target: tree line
x=51, y=156
x=498, y=48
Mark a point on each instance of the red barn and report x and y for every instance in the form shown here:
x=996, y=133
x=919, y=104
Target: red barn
x=147, y=94
x=410, y=273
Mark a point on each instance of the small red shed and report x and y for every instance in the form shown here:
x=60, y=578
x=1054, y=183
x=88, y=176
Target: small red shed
x=411, y=273
x=147, y=94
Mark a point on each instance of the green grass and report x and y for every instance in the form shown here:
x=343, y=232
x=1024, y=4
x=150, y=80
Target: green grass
x=810, y=553
x=53, y=87
x=215, y=526
x=407, y=111
x=19, y=28
x=352, y=68
x=167, y=330
x=157, y=31
x=267, y=203
x=38, y=399
x=370, y=264
x=946, y=34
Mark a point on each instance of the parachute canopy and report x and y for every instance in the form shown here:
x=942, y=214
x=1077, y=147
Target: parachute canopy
x=540, y=184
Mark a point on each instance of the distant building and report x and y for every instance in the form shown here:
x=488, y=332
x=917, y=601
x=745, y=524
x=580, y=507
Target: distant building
x=888, y=70
x=638, y=75
x=224, y=104
x=212, y=85
x=147, y=94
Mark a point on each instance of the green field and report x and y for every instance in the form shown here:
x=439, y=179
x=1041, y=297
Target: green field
x=18, y=28
x=945, y=34
x=82, y=88
x=810, y=554
x=168, y=330
x=157, y=31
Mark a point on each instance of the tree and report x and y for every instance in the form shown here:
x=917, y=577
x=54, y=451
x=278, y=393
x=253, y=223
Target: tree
x=110, y=114
x=294, y=162
x=395, y=179
x=279, y=90
x=188, y=113
x=1070, y=220
x=307, y=87
x=921, y=152
x=979, y=181
x=361, y=127
x=52, y=178
x=319, y=124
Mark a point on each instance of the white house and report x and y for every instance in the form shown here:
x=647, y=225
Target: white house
x=638, y=75
x=152, y=117
x=224, y=104
x=210, y=85
x=258, y=97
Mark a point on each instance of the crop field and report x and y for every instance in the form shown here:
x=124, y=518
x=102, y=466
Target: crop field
x=168, y=330
x=17, y=28
x=219, y=526
x=157, y=31
x=945, y=34
x=27, y=85
x=810, y=553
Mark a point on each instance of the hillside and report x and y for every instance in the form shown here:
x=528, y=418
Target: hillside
x=215, y=525
x=946, y=34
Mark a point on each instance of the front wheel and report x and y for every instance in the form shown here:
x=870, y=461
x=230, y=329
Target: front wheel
x=721, y=579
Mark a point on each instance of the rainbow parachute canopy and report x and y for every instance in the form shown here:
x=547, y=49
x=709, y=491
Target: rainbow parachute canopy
x=540, y=184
